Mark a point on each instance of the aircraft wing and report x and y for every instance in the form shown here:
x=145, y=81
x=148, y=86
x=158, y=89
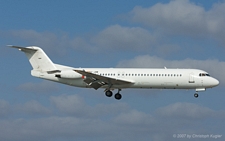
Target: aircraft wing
x=96, y=81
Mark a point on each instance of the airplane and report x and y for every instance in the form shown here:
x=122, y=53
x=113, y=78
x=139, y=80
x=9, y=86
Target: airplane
x=116, y=78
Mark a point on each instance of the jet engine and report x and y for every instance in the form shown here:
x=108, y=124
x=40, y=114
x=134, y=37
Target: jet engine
x=68, y=74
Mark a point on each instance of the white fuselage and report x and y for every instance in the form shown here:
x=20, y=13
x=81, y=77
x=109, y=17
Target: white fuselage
x=141, y=78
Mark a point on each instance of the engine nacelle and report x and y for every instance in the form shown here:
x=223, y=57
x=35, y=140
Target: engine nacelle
x=68, y=74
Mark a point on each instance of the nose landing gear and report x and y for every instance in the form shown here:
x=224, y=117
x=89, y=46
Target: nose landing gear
x=196, y=95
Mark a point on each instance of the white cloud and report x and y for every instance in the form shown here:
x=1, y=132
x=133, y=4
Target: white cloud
x=70, y=104
x=135, y=118
x=183, y=17
x=104, y=121
x=32, y=108
x=185, y=111
x=46, y=40
x=50, y=128
x=117, y=37
x=4, y=108
x=112, y=38
x=74, y=105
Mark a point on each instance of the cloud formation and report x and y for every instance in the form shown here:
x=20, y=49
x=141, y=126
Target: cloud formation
x=33, y=108
x=4, y=108
x=71, y=117
x=47, y=40
x=183, y=17
x=74, y=105
x=113, y=38
x=117, y=37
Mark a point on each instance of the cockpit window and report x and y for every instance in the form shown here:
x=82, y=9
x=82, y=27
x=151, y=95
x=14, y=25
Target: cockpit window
x=204, y=74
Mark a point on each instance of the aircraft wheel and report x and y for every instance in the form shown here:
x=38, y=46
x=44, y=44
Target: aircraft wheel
x=108, y=93
x=118, y=96
x=196, y=95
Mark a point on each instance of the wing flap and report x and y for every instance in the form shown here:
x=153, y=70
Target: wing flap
x=96, y=85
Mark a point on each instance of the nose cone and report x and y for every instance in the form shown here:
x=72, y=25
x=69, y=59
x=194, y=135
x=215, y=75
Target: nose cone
x=215, y=82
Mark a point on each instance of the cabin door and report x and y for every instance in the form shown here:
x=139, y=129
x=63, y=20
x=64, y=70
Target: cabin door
x=191, y=78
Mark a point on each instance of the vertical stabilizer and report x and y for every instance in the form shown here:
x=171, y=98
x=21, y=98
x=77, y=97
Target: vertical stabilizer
x=37, y=57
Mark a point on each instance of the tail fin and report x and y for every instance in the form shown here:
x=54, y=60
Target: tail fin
x=37, y=57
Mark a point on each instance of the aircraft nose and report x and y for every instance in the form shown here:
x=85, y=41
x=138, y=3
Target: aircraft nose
x=215, y=82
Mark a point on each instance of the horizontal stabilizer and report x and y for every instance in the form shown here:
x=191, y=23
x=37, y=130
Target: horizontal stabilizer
x=23, y=48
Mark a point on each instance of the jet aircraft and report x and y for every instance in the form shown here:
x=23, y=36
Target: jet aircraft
x=117, y=78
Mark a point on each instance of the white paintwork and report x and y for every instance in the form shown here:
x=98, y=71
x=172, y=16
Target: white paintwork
x=117, y=78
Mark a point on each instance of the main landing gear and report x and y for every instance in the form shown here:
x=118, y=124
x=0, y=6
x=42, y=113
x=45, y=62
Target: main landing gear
x=117, y=96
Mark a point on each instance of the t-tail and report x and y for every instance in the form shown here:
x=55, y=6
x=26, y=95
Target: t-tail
x=38, y=59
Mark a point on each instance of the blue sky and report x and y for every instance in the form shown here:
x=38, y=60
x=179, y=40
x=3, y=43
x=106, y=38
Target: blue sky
x=128, y=33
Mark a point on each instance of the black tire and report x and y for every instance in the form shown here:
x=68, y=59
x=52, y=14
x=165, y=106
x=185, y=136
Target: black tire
x=108, y=93
x=196, y=95
x=118, y=96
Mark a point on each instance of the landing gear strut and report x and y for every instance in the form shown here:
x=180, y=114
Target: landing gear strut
x=118, y=96
x=196, y=95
